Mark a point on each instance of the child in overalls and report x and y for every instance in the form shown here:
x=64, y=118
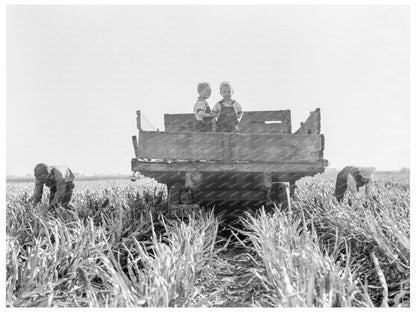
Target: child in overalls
x=227, y=111
x=203, y=115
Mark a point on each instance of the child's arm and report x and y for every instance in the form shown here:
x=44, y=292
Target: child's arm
x=216, y=110
x=203, y=114
x=200, y=110
x=239, y=111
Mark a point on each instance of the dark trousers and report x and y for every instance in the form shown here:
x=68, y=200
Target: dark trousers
x=340, y=188
x=69, y=187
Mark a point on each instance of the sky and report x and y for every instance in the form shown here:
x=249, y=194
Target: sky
x=75, y=76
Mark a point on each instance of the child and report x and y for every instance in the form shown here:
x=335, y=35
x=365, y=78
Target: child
x=227, y=111
x=202, y=110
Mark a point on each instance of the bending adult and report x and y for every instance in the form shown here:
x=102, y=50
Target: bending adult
x=351, y=178
x=59, y=179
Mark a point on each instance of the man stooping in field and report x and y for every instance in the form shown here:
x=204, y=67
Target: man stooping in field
x=351, y=178
x=59, y=179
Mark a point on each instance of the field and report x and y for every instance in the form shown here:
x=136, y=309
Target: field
x=119, y=249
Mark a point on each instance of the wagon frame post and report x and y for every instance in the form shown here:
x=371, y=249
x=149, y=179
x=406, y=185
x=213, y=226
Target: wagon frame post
x=280, y=193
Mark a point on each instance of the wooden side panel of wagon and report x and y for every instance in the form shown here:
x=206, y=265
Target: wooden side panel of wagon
x=252, y=122
x=261, y=162
x=230, y=147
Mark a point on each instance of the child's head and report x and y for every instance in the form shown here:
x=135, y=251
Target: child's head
x=226, y=90
x=204, y=90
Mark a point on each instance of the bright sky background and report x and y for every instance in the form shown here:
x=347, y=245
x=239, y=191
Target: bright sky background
x=77, y=74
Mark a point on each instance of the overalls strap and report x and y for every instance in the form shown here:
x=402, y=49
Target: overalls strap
x=204, y=125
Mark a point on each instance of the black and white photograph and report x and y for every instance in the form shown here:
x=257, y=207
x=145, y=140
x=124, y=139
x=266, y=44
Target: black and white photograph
x=207, y=155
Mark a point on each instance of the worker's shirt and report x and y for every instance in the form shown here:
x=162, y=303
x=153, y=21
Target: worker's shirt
x=58, y=177
x=237, y=108
x=353, y=187
x=351, y=184
x=200, y=107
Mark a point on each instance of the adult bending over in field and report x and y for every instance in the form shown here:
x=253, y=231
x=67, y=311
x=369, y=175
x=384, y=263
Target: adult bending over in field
x=59, y=179
x=351, y=178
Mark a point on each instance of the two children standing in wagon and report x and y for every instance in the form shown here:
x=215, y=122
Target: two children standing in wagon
x=226, y=112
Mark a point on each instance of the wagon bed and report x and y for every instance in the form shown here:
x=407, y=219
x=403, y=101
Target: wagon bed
x=243, y=166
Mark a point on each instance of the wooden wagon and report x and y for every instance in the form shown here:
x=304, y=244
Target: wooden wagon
x=260, y=164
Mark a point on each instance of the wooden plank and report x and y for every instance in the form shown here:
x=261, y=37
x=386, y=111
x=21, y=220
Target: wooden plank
x=135, y=146
x=321, y=153
x=178, y=168
x=266, y=122
x=181, y=145
x=139, y=120
x=275, y=148
x=227, y=180
x=261, y=127
x=312, y=125
x=226, y=148
x=242, y=146
x=252, y=122
x=245, y=176
x=221, y=180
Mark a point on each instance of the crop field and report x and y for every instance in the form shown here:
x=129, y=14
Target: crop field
x=118, y=247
